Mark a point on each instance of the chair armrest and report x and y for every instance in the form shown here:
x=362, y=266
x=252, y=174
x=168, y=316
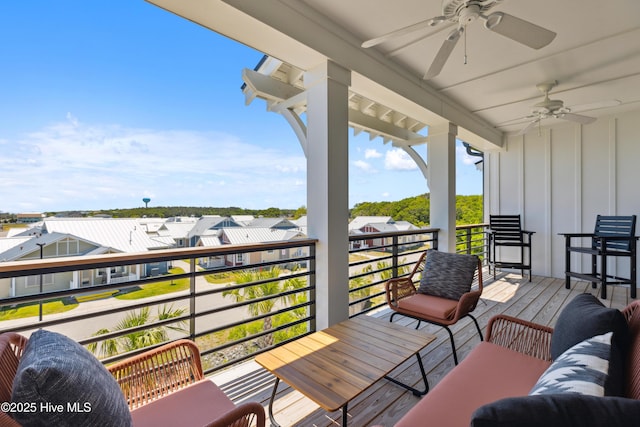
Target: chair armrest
x=466, y=304
x=520, y=335
x=570, y=235
x=398, y=288
x=245, y=414
x=7, y=421
x=158, y=372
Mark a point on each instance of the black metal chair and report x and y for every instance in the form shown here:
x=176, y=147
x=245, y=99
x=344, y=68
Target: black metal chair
x=506, y=231
x=614, y=236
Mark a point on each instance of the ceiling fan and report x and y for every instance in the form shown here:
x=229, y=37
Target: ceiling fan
x=464, y=12
x=554, y=108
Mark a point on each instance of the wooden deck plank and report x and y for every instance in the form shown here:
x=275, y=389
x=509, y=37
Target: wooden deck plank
x=384, y=403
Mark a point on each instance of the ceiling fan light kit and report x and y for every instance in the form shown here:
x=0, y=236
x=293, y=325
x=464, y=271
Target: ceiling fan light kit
x=465, y=12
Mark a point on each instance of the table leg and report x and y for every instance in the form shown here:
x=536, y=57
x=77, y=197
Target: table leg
x=274, y=423
x=344, y=415
x=273, y=397
x=415, y=391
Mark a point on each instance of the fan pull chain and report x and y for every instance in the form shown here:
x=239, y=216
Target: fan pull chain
x=465, y=45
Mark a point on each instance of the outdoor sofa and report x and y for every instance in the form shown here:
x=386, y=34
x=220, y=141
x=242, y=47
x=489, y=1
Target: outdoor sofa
x=492, y=385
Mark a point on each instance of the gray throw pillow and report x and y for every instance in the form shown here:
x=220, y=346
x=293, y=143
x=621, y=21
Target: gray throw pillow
x=62, y=384
x=583, y=369
x=585, y=317
x=447, y=275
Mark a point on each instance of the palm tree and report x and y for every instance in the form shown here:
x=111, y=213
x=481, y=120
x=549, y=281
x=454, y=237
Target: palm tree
x=268, y=288
x=138, y=339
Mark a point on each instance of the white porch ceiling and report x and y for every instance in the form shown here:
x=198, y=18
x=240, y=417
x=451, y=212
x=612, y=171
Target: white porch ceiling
x=595, y=56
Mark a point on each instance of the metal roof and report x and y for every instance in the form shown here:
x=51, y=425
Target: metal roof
x=27, y=247
x=360, y=221
x=247, y=235
x=125, y=235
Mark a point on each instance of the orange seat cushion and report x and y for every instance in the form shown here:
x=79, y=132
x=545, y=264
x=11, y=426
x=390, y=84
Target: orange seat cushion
x=428, y=306
x=490, y=372
x=195, y=405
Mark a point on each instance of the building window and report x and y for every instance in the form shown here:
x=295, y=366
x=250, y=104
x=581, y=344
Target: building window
x=239, y=258
x=68, y=247
x=34, y=281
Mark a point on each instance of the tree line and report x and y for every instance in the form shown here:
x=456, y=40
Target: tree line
x=412, y=209
x=416, y=209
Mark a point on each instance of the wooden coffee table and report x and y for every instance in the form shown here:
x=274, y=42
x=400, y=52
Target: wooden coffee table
x=333, y=366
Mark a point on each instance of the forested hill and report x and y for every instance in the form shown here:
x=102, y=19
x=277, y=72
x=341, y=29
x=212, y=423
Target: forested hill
x=416, y=209
x=412, y=209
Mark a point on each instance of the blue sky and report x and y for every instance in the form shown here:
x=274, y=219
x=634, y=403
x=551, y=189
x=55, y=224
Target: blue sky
x=104, y=102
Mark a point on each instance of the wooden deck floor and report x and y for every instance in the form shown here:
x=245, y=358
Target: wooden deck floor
x=540, y=300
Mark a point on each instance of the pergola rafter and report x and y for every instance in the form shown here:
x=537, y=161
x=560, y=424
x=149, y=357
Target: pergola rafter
x=281, y=86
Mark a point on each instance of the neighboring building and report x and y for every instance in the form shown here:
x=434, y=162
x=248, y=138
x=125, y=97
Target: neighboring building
x=63, y=237
x=378, y=224
x=360, y=221
x=208, y=225
x=178, y=232
x=274, y=223
x=29, y=218
x=243, y=220
x=248, y=235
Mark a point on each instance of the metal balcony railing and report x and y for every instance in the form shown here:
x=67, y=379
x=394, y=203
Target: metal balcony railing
x=257, y=296
x=472, y=239
x=235, y=301
x=378, y=257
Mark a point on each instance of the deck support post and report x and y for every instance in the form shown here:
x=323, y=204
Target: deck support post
x=327, y=152
x=441, y=155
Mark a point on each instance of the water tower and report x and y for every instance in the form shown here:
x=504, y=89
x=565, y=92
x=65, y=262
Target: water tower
x=146, y=201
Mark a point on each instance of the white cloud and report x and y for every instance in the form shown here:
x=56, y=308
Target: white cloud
x=372, y=153
x=362, y=165
x=73, y=165
x=464, y=157
x=397, y=159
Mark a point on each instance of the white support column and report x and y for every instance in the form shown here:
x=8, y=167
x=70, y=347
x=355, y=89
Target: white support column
x=327, y=187
x=75, y=280
x=441, y=155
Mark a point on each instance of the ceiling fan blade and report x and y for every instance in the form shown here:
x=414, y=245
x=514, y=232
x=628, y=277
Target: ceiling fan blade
x=402, y=31
x=514, y=122
x=585, y=120
x=517, y=29
x=595, y=105
x=398, y=50
x=444, y=53
x=527, y=127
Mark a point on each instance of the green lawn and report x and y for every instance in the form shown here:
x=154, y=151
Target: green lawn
x=158, y=288
x=31, y=310
x=219, y=278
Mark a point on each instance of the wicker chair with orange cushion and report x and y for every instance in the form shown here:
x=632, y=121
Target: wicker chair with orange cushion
x=166, y=386
x=445, y=293
x=160, y=387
